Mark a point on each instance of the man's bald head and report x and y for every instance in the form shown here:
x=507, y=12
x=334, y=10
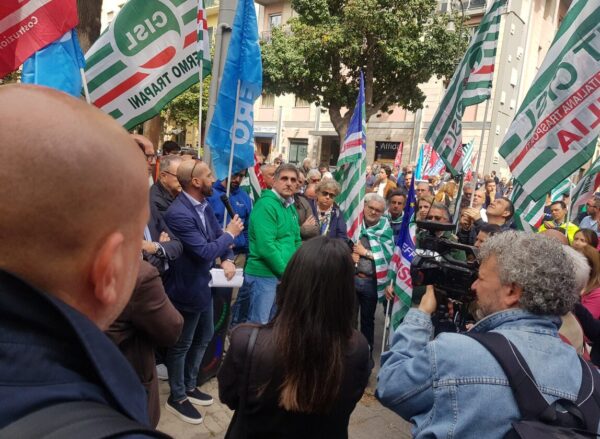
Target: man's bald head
x=74, y=191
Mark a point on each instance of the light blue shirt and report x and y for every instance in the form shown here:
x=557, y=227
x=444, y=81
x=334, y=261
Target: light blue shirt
x=589, y=223
x=199, y=207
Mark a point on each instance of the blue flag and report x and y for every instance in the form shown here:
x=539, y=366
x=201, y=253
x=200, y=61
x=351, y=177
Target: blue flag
x=419, y=167
x=57, y=65
x=404, y=253
x=244, y=65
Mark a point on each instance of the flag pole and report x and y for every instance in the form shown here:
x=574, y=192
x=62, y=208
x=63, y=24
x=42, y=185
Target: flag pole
x=485, y=114
x=233, y=127
x=386, y=322
x=85, y=86
x=200, y=109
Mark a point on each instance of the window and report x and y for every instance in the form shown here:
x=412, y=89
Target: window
x=301, y=103
x=267, y=100
x=298, y=150
x=210, y=35
x=274, y=21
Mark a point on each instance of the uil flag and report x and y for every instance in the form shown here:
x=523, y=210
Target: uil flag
x=556, y=128
x=352, y=167
x=470, y=85
x=585, y=188
x=240, y=86
x=399, y=271
x=58, y=65
x=27, y=26
x=146, y=58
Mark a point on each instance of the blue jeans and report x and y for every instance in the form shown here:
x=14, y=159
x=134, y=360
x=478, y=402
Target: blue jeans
x=366, y=292
x=183, y=360
x=262, y=297
x=239, y=310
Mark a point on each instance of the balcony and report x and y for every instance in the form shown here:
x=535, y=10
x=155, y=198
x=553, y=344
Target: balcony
x=268, y=2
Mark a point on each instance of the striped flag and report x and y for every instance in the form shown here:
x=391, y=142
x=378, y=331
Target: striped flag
x=564, y=187
x=28, y=26
x=146, y=58
x=255, y=180
x=203, y=44
x=530, y=218
x=399, y=270
x=398, y=158
x=556, y=128
x=352, y=167
x=586, y=188
x=470, y=85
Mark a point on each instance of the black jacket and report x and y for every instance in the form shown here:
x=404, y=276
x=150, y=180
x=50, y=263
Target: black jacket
x=265, y=418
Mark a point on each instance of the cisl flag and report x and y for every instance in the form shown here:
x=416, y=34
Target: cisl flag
x=146, y=58
x=28, y=25
x=556, y=129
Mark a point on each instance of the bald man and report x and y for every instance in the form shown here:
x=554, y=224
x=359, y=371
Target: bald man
x=191, y=219
x=69, y=256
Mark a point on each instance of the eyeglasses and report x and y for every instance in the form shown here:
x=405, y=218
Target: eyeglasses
x=193, y=169
x=328, y=194
x=375, y=210
x=435, y=218
x=150, y=157
x=315, y=180
x=170, y=173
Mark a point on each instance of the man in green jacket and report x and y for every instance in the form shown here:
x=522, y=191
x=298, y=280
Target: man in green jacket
x=274, y=236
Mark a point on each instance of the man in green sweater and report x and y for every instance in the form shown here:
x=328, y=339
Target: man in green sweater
x=274, y=236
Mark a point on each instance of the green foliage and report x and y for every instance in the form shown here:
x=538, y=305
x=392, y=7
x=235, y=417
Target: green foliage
x=398, y=44
x=183, y=110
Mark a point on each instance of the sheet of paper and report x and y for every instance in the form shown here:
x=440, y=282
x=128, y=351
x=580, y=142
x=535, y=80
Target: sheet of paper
x=219, y=280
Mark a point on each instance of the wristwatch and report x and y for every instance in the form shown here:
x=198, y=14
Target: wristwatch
x=369, y=254
x=159, y=251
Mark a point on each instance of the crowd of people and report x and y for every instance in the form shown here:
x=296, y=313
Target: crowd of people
x=105, y=281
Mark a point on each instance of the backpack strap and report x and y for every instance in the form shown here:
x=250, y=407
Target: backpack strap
x=88, y=419
x=530, y=401
x=588, y=399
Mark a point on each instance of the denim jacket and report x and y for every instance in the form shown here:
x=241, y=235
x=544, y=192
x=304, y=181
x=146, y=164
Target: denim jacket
x=452, y=387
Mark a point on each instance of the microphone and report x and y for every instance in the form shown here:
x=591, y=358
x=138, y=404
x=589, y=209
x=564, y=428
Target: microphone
x=227, y=204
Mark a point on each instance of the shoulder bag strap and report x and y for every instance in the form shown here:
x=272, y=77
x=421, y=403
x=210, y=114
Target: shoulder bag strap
x=529, y=399
x=588, y=399
x=246, y=374
x=88, y=419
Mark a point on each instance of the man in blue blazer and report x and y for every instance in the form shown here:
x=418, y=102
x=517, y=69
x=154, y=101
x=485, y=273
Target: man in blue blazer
x=193, y=222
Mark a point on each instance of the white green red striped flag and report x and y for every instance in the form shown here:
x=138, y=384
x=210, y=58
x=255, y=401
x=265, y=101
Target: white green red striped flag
x=556, y=128
x=256, y=182
x=564, y=187
x=470, y=85
x=586, y=188
x=146, y=57
x=352, y=167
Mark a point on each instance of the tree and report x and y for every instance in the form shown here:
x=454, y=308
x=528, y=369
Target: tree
x=398, y=44
x=88, y=29
x=183, y=110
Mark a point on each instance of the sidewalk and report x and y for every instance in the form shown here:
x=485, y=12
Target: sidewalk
x=370, y=420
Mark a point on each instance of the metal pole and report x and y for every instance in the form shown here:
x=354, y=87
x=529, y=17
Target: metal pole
x=200, y=107
x=485, y=114
x=226, y=15
x=233, y=127
x=85, y=86
x=385, y=325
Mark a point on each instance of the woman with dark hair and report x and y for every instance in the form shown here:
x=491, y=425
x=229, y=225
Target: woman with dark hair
x=584, y=237
x=308, y=367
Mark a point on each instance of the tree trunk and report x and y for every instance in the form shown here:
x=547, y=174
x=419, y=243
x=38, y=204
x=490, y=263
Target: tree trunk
x=152, y=130
x=89, y=22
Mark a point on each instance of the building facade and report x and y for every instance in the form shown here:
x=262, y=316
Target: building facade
x=295, y=129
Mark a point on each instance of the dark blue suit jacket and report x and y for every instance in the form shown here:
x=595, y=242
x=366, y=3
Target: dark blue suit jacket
x=52, y=353
x=337, y=225
x=187, y=280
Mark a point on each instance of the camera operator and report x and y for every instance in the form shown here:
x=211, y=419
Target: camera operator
x=449, y=384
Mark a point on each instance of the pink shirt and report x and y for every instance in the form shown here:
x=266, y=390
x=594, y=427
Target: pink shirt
x=592, y=302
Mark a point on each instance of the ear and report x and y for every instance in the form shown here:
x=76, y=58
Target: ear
x=513, y=297
x=106, y=268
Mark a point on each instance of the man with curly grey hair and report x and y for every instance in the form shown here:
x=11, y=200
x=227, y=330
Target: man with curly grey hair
x=448, y=386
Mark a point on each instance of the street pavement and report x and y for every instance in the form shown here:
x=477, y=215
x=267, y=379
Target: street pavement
x=370, y=420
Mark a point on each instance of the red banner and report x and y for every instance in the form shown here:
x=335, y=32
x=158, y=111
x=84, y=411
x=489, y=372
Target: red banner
x=398, y=159
x=26, y=26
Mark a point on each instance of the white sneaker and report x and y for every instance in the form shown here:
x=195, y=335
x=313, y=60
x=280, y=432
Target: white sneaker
x=162, y=372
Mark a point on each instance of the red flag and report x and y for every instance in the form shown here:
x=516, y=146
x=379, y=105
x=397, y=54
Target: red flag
x=398, y=159
x=29, y=25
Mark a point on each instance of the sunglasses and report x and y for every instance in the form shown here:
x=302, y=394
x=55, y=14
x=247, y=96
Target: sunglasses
x=193, y=169
x=435, y=218
x=328, y=194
